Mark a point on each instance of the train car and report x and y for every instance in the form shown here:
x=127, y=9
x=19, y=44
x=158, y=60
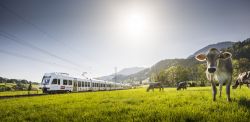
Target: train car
x=57, y=82
x=62, y=82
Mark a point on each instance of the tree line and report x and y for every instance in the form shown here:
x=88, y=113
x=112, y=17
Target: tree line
x=15, y=84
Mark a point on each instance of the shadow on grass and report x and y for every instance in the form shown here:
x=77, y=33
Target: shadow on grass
x=244, y=102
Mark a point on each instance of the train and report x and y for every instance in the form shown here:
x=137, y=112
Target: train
x=61, y=82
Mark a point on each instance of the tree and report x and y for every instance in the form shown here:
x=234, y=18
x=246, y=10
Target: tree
x=201, y=74
x=30, y=87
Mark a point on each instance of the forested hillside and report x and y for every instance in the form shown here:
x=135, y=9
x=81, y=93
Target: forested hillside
x=171, y=71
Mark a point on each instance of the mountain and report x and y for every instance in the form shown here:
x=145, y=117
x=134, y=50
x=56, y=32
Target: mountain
x=164, y=64
x=123, y=73
x=129, y=71
x=240, y=49
x=219, y=46
x=237, y=48
x=161, y=65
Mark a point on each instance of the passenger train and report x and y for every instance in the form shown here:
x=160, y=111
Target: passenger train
x=62, y=82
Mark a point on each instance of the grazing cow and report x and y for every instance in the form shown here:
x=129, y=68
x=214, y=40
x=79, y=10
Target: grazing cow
x=155, y=85
x=243, y=78
x=219, y=67
x=182, y=85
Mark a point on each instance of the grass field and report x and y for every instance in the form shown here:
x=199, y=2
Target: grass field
x=12, y=93
x=194, y=104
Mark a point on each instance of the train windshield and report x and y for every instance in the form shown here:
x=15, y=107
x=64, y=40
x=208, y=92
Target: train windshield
x=45, y=80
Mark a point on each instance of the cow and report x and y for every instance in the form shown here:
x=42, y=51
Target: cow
x=219, y=67
x=155, y=85
x=243, y=78
x=182, y=85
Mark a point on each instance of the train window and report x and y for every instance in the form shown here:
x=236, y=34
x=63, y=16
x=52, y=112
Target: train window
x=58, y=81
x=70, y=82
x=93, y=84
x=79, y=83
x=46, y=81
x=65, y=82
x=88, y=84
x=83, y=83
x=54, y=81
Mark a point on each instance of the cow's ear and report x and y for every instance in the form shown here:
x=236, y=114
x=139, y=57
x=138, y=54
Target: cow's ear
x=201, y=57
x=225, y=55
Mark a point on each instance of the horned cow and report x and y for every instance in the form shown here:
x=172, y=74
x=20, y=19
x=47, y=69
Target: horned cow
x=219, y=67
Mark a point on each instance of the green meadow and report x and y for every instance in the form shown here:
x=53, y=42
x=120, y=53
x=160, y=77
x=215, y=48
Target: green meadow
x=193, y=104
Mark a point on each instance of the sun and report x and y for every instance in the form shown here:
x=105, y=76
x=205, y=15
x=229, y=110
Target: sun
x=135, y=24
x=133, y=27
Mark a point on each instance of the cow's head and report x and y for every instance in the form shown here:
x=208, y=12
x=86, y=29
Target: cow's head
x=236, y=84
x=212, y=58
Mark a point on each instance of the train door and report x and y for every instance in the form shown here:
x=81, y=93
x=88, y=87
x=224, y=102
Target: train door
x=74, y=85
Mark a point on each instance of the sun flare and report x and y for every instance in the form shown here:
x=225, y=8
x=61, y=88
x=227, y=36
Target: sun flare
x=134, y=26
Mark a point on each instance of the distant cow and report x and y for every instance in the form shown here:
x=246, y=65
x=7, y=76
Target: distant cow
x=182, y=85
x=243, y=78
x=155, y=85
x=219, y=67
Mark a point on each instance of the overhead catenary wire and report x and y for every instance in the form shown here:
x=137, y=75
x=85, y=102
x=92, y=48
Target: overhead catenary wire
x=38, y=28
x=36, y=59
x=26, y=44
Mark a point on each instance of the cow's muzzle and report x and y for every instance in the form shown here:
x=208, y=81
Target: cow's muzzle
x=211, y=70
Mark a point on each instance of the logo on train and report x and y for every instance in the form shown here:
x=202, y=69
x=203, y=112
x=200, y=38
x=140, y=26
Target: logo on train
x=62, y=87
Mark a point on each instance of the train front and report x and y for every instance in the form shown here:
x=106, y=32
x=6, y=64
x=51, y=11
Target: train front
x=45, y=84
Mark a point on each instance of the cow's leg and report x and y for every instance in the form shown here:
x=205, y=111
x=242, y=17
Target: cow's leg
x=240, y=85
x=220, y=88
x=214, y=90
x=228, y=90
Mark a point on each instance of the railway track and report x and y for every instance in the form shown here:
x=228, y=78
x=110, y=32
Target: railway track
x=43, y=94
x=24, y=95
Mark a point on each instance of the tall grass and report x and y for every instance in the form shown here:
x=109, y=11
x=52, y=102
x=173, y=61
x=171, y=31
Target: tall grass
x=193, y=104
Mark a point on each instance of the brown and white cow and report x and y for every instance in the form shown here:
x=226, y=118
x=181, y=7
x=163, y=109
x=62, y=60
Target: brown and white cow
x=219, y=67
x=243, y=78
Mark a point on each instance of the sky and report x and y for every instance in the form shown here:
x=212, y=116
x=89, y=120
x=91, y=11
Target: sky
x=95, y=36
